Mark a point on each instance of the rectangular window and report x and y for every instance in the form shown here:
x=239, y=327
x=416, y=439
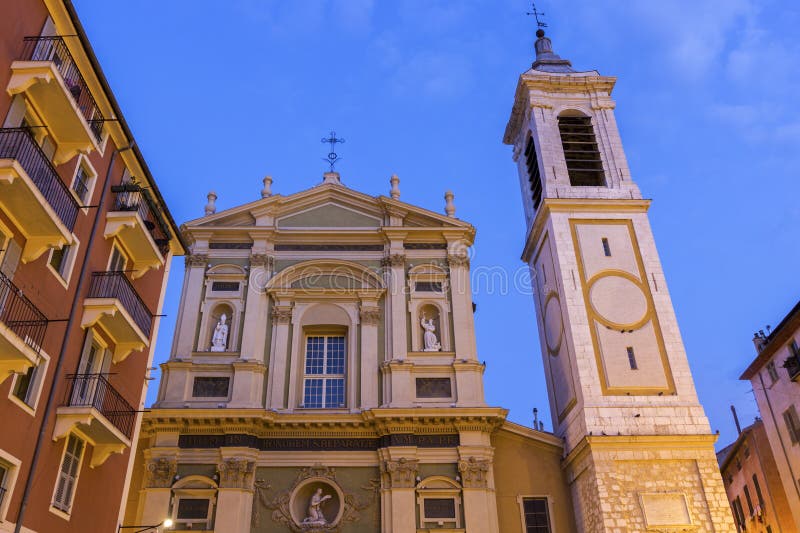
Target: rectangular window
x=631, y=358
x=758, y=491
x=323, y=384
x=225, y=286
x=428, y=286
x=439, y=508
x=749, y=500
x=772, y=371
x=118, y=260
x=68, y=474
x=794, y=349
x=606, y=247
x=3, y=488
x=59, y=260
x=24, y=385
x=537, y=516
x=81, y=183
x=792, y=424
x=193, y=509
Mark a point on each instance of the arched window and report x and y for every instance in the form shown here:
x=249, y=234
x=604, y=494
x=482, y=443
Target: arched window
x=584, y=166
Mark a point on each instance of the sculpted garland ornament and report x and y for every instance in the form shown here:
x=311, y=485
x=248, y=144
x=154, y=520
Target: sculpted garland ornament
x=314, y=504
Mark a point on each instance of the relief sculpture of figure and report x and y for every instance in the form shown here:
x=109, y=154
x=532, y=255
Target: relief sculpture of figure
x=220, y=338
x=431, y=343
x=315, y=516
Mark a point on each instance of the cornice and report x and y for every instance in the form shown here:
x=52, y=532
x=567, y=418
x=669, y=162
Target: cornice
x=640, y=442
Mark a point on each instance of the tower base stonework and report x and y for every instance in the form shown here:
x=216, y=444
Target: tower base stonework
x=623, y=484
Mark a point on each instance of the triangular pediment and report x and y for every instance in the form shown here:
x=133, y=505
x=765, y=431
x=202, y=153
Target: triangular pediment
x=329, y=215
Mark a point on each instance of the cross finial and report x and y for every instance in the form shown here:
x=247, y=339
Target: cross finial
x=536, y=13
x=333, y=157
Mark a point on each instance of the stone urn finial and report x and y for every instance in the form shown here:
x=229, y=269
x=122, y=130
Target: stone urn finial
x=395, y=192
x=211, y=206
x=449, y=206
x=267, y=190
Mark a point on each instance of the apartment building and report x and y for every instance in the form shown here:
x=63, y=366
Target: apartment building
x=85, y=245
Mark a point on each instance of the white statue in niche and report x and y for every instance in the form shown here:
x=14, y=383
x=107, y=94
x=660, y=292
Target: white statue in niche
x=430, y=342
x=220, y=338
x=315, y=516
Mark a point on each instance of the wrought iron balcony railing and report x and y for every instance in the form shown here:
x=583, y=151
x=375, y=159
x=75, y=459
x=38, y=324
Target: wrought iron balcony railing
x=19, y=144
x=54, y=49
x=116, y=285
x=94, y=390
x=131, y=197
x=20, y=315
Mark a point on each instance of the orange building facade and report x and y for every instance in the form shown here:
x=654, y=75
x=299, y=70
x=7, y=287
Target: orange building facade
x=85, y=246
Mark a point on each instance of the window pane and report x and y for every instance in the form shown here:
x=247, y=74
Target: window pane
x=536, y=516
x=192, y=508
x=440, y=508
x=315, y=354
x=335, y=355
x=23, y=386
x=312, y=396
x=334, y=392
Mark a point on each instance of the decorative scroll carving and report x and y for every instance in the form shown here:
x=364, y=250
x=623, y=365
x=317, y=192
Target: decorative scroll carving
x=474, y=473
x=457, y=260
x=195, y=260
x=370, y=316
x=236, y=473
x=160, y=472
x=393, y=260
x=401, y=473
x=282, y=315
x=261, y=260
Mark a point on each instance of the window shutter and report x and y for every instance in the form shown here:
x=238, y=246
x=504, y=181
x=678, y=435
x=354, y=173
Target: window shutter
x=68, y=475
x=790, y=427
x=11, y=259
x=584, y=165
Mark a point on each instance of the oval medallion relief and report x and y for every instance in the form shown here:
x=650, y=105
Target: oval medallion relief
x=553, y=324
x=618, y=300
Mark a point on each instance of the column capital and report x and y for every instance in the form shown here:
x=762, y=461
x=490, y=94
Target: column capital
x=160, y=472
x=400, y=473
x=474, y=472
x=393, y=260
x=195, y=260
x=370, y=316
x=236, y=473
x=282, y=314
x=261, y=260
x=457, y=260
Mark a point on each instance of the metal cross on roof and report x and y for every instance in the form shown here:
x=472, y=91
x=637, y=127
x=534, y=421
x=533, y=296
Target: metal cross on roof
x=536, y=13
x=333, y=157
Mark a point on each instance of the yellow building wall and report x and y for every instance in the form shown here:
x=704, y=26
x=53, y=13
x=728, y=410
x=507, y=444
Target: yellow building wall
x=528, y=463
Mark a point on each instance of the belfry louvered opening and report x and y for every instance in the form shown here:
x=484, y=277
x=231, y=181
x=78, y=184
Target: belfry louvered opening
x=584, y=165
x=534, y=178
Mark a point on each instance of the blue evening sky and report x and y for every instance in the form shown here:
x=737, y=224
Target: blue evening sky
x=219, y=94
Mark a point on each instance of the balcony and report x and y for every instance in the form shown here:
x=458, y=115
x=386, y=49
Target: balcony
x=22, y=329
x=47, y=75
x=100, y=412
x=33, y=195
x=137, y=223
x=792, y=366
x=114, y=305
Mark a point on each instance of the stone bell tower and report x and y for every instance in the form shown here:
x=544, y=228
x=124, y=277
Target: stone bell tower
x=638, y=448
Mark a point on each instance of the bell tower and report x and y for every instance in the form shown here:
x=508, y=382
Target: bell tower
x=639, y=451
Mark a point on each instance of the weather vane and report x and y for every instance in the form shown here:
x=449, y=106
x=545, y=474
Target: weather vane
x=333, y=157
x=536, y=13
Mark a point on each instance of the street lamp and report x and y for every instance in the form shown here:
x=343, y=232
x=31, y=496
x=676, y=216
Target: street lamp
x=166, y=523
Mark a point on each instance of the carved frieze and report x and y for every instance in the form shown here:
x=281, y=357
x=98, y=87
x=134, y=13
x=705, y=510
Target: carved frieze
x=401, y=473
x=282, y=315
x=474, y=473
x=160, y=472
x=370, y=316
x=393, y=260
x=236, y=473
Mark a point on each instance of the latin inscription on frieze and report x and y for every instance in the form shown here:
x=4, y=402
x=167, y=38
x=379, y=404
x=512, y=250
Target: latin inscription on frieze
x=323, y=444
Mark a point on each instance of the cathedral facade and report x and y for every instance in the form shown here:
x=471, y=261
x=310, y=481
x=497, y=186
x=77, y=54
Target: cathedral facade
x=324, y=375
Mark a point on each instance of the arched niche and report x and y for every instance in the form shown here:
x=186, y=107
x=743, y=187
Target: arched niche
x=429, y=296
x=225, y=287
x=215, y=317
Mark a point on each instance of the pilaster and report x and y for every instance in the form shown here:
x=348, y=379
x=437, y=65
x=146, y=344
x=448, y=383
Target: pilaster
x=398, y=482
x=276, y=389
x=235, y=493
x=186, y=330
x=370, y=315
x=461, y=297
